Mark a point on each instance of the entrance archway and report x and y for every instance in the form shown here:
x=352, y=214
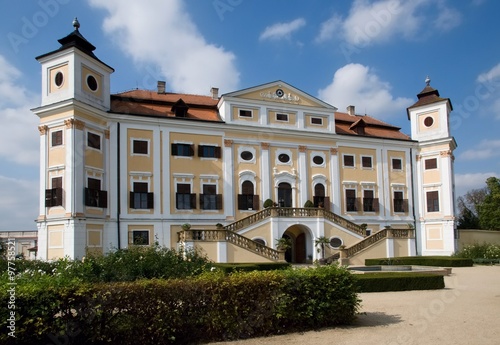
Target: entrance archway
x=300, y=239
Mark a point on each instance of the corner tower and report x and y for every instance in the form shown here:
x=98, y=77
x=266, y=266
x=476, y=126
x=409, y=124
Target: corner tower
x=433, y=172
x=74, y=146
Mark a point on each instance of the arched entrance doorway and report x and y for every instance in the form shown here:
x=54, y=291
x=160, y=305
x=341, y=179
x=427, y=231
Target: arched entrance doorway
x=285, y=194
x=299, y=238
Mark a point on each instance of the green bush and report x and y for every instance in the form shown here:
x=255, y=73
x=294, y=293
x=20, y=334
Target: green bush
x=268, y=203
x=210, y=307
x=396, y=281
x=247, y=267
x=308, y=204
x=439, y=261
x=480, y=253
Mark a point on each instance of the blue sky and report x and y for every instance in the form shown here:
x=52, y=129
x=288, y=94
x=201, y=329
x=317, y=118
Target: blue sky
x=372, y=54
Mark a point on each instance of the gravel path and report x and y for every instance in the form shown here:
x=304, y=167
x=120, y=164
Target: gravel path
x=467, y=311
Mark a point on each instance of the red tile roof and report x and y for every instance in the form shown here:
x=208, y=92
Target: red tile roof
x=152, y=103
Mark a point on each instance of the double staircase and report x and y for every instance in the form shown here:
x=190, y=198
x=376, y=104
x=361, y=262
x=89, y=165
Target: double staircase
x=229, y=233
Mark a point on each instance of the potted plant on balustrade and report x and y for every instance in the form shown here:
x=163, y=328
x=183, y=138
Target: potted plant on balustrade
x=284, y=243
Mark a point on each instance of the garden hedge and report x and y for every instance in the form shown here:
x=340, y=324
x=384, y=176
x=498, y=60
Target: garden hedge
x=396, y=281
x=247, y=267
x=210, y=307
x=439, y=261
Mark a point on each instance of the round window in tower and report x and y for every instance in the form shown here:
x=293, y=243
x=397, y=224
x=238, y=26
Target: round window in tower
x=428, y=121
x=92, y=83
x=246, y=155
x=59, y=79
x=284, y=158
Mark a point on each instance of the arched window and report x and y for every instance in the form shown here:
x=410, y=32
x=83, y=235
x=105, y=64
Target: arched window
x=319, y=195
x=284, y=194
x=247, y=200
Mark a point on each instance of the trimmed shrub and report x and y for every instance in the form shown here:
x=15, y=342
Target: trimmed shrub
x=268, y=203
x=439, y=261
x=209, y=307
x=308, y=204
x=247, y=267
x=395, y=281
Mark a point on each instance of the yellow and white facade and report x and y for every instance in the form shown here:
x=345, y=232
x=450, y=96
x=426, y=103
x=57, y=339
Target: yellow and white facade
x=132, y=168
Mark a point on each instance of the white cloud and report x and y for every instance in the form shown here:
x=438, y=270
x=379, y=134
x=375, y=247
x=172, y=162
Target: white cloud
x=371, y=22
x=355, y=84
x=329, y=28
x=467, y=182
x=282, y=30
x=19, y=210
x=19, y=124
x=163, y=34
x=491, y=75
x=486, y=149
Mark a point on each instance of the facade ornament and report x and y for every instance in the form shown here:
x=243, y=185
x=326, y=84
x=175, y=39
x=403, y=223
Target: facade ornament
x=43, y=129
x=78, y=124
x=228, y=142
x=106, y=133
x=446, y=153
x=334, y=151
x=265, y=146
x=418, y=157
x=302, y=148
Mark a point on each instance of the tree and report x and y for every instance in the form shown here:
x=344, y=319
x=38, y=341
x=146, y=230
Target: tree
x=489, y=209
x=468, y=208
x=322, y=242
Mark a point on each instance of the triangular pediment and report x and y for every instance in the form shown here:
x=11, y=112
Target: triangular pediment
x=281, y=93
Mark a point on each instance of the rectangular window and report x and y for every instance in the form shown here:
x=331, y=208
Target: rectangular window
x=53, y=196
x=184, y=150
x=209, y=200
x=140, y=147
x=282, y=117
x=184, y=199
x=94, y=196
x=431, y=163
x=366, y=162
x=369, y=202
x=245, y=113
x=248, y=202
x=397, y=164
x=433, y=201
x=140, y=237
x=57, y=138
x=348, y=161
x=209, y=151
x=316, y=120
x=350, y=199
x=140, y=198
x=94, y=140
x=400, y=204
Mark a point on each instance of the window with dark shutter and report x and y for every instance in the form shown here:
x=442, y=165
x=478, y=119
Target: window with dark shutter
x=319, y=195
x=247, y=200
x=431, y=163
x=208, y=200
x=350, y=196
x=209, y=151
x=140, y=147
x=183, y=150
x=94, y=196
x=366, y=162
x=184, y=200
x=348, y=161
x=57, y=138
x=397, y=164
x=94, y=140
x=400, y=204
x=54, y=196
x=368, y=201
x=140, y=198
x=432, y=201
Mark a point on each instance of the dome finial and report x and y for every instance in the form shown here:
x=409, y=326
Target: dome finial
x=76, y=23
x=427, y=81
